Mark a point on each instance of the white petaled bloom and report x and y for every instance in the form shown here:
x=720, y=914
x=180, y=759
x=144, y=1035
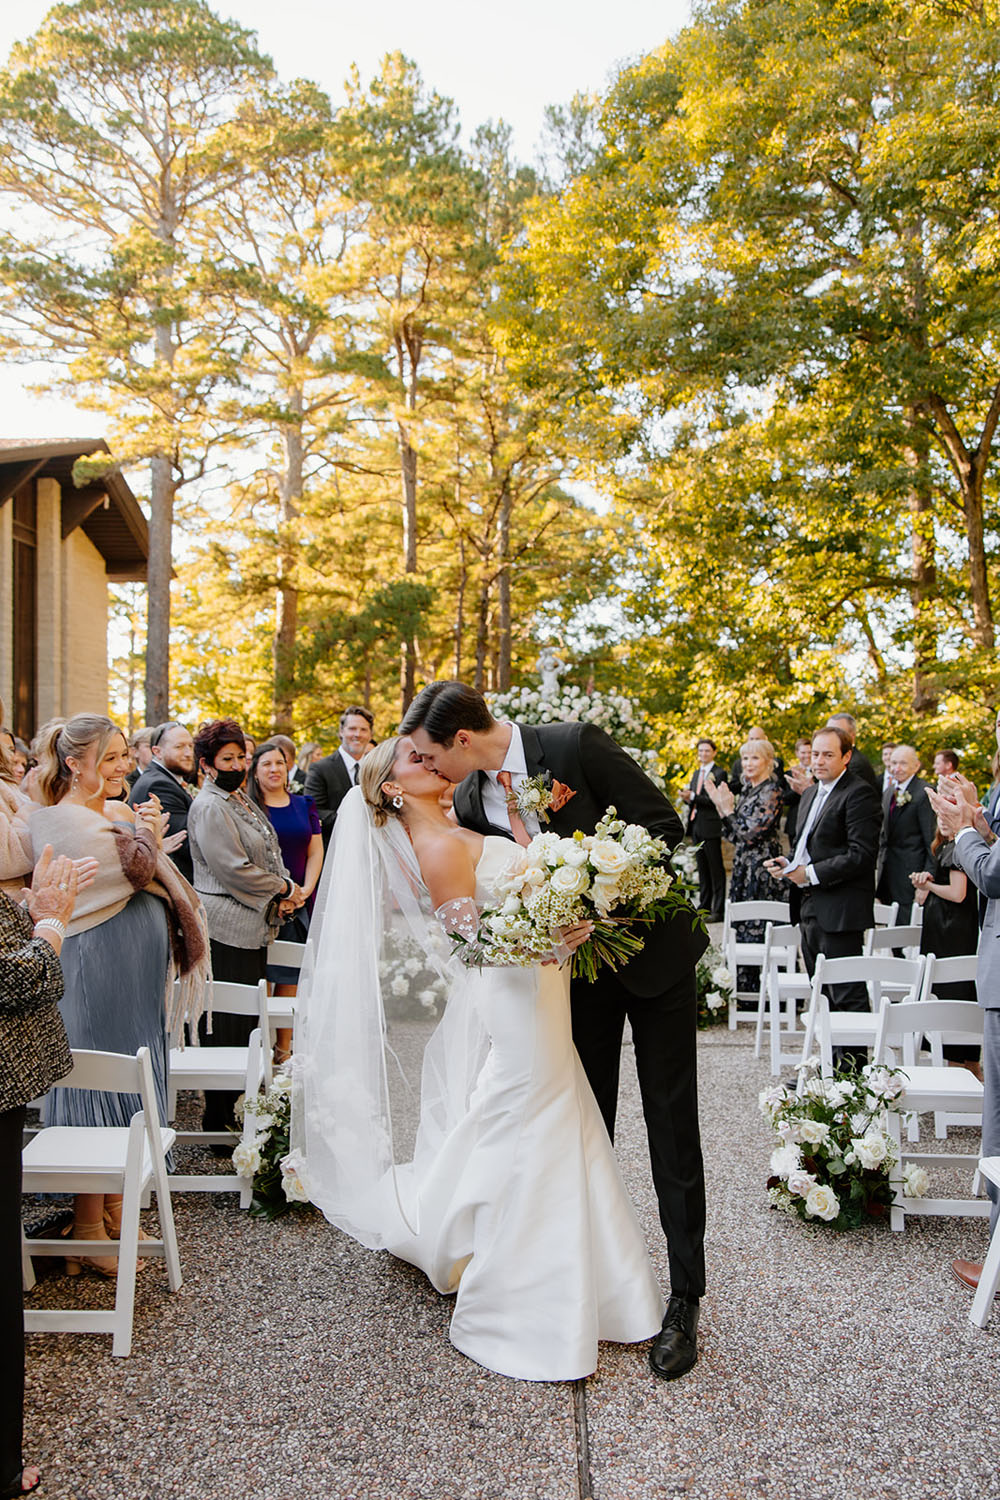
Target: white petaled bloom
x=813, y=1132
x=801, y=1183
x=246, y=1160
x=569, y=880
x=714, y=1000
x=785, y=1129
x=870, y=1150
x=606, y=891
x=263, y=1120
x=293, y=1178
x=785, y=1159
x=427, y=999
x=882, y=1082
x=839, y=1094
x=822, y=1203
x=771, y=1099
x=531, y=796
x=916, y=1182
x=722, y=977
x=400, y=985
x=608, y=858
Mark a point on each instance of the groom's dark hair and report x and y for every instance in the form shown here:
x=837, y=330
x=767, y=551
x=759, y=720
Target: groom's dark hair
x=441, y=709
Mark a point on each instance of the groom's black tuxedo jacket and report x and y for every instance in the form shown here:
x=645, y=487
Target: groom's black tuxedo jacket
x=600, y=773
x=328, y=783
x=842, y=848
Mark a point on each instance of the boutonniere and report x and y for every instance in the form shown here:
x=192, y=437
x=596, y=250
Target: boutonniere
x=902, y=798
x=539, y=795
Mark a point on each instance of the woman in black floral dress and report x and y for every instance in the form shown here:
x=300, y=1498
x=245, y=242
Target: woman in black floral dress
x=752, y=824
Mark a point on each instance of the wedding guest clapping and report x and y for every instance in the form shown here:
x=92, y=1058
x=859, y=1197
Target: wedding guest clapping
x=950, y=929
x=242, y=880
x=167, y=777
x=296, y=822
x=908, y=829
x=752, y=824
x=34, y=1054
x=118, y=959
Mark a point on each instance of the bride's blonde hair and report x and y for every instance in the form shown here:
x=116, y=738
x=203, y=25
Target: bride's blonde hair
x=376, y=769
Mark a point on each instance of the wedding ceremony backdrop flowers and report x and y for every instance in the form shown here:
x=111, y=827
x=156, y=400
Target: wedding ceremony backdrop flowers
x=556, y=882
x=277, y=1172
x=616, y=714
x=834, y=1160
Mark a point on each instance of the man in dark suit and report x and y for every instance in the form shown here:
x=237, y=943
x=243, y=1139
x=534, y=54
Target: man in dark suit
x=329, y=780
x=831, y=871
x=908, y=829
x=166, y=777
x=704, y=827
x=860, y=764
x=454, y=732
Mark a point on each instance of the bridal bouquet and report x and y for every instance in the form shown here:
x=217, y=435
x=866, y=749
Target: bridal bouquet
x=614, y=877
x=833, y=1161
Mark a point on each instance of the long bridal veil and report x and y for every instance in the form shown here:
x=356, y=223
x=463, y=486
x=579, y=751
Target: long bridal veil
x=375, y=946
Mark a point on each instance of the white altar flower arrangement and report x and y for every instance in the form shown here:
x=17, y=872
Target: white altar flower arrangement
x=685, y=862
x=614, y=877
x=278, y=1174
x=715, y=985
x=616, y=714
x=410, y=985
x=833, y=1160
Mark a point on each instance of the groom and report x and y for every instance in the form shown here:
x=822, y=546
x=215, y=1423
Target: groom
x=456, y=735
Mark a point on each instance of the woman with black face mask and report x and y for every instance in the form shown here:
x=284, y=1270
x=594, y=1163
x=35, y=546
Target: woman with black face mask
x=242, y=880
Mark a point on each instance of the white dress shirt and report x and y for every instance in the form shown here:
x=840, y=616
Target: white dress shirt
x=352, y=765
x=823, y=790
x=494, y=796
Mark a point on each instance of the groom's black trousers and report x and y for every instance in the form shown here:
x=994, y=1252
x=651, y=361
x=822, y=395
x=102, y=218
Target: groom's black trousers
x=664, y=1031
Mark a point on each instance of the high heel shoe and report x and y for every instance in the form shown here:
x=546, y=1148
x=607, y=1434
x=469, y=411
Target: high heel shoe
x=26, y=1483
x=113, y=1230
x=104, y=1265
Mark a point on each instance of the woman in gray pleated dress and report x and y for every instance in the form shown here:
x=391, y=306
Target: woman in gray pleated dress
x=116, y=957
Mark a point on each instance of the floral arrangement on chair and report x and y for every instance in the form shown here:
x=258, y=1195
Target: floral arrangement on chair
x=833, y=1161
x=715, y=986
x=277, y=1172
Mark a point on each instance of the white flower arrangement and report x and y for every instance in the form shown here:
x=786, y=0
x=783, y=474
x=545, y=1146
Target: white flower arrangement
x=406, y=976
x=834, y=1158
x=715, y=986
x=557, y=882
x=278, y=1174
x=617, y=715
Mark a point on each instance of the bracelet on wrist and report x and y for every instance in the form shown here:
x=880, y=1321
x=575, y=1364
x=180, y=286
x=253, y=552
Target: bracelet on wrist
x=54, y=923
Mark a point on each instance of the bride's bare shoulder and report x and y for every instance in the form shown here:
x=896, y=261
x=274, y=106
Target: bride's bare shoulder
x=448, y=863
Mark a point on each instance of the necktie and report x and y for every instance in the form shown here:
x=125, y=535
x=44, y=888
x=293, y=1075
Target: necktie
x=701, y=782
x=357, y=768
x=517, y=828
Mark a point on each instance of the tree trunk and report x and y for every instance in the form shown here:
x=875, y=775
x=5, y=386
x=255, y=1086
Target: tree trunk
x=161, y=521
x=463, y=575
x=503, y=591
x=983, y=632
x=482, y=632
x=923, y=589
x=287, y=611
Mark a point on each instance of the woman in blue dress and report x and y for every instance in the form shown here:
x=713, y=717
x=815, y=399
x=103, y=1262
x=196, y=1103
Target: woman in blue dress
x=296, y=823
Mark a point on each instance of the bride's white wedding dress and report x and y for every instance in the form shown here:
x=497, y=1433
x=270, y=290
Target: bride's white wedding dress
x=520, y=1210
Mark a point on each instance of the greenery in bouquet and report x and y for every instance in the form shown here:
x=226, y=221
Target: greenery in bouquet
x=834, y=1159
x=617, y=715
x=715, y=986
x=615, y=877
x=277, y=1172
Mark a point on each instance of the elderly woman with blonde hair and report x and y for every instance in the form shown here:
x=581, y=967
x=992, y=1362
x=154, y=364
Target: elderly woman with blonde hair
x=752, y=824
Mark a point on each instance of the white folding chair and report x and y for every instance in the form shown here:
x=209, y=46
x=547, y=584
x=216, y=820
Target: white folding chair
x=886, y=913
x=782, y=984
x=901, y=1026
x=989, y=1166
x=884, y=978
x=125, y=1159
x=243, y=1070
x=746, y=955
x=885, y=939
x=939, y=972
x=281, y=1008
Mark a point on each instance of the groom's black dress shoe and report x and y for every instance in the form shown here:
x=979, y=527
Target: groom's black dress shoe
x=675, y=1348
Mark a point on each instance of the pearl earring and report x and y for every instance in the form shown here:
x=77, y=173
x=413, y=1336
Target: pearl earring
x=397, y=801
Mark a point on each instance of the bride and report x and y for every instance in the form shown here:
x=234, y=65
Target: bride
x=512, y=1200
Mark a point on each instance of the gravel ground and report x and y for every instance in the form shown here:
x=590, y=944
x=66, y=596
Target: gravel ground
x=832, y=1365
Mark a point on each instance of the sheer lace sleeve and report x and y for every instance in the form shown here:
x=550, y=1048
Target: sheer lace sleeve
x=460, y=919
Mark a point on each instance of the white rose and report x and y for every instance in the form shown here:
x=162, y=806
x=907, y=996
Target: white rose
x=400, y=984
x=608, y=857
x=822, y=1203
x=246, y=1160
x=569, y=880
x=511, y=906
x=722, y=976
x=801, y=1183
x=606, y=891
x=870, y=1150
x=413, y=966
x=813, y=1132
x=785, y=1159
x=282, y=1083
x=882, y=1083
x=714, y=1000
x=531, y=796
x=916, y=1182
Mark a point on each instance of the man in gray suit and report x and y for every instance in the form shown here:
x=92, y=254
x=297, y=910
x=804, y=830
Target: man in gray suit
x=977, y=852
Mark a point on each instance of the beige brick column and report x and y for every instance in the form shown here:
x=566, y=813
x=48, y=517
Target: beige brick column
x=49, y=685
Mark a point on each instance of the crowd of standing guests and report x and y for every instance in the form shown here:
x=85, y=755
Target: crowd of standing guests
x=131, y=872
